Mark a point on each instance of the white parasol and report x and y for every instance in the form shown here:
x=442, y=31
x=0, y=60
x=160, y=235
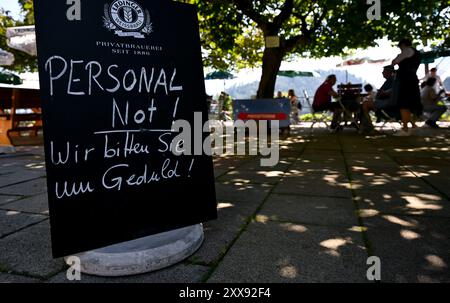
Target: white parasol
x=22, y=38
x=6, y=58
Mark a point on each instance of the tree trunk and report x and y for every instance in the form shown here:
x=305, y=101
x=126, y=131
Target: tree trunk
x=271, y=65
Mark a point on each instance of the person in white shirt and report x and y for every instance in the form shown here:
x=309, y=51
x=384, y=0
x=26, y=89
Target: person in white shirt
x=439, y=85
x=430, y=104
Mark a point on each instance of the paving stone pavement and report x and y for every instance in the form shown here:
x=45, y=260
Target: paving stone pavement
x=332, y=201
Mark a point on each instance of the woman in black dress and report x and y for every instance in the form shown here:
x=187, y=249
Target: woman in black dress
x=406, y=88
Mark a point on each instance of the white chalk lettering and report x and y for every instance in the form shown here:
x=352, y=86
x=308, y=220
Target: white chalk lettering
x=162, y=81
x=152, y=109
x=72, y=80
x=112, y=181
x=115, y=109
x=74, y=191
x=60, y=156
x=94, y=77
x=132, y=148
x=115, y=88
x=166, y=146
x=130, y=87
x=110, y=152
x=129, y=147
x=167, y=173
x=143, y=78
x=117, y=180
x=86, y=153
x=174, y=88
x=49, y=67
x=139, y=117
x=175, y=108
x=123, y=79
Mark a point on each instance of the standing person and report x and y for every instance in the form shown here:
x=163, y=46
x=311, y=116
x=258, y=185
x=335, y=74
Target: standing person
x=406, y=87
x=279, y=95
x=323, y=97
x=294, y=106
x=430, y=103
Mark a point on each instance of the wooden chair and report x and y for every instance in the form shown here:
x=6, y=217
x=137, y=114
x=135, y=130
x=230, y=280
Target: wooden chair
x=5, y=113
x=350, y=98
x=315, y=118
x=21, y=117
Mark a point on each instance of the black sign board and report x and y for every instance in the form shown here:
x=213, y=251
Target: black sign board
x=115, y=75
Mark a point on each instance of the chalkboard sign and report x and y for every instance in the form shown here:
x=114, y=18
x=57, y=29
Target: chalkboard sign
x=115, y=77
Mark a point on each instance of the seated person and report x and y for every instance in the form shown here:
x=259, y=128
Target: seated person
x=382, y=100
x=438, y=85
x=370, y=93
x=430, y=104
x=323, y=97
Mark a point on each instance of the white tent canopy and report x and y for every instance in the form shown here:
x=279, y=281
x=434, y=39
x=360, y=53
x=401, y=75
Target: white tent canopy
x=22, y=38
x=6, y=58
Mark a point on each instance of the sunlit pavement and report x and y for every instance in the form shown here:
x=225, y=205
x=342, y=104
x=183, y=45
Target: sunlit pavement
x=332, y=201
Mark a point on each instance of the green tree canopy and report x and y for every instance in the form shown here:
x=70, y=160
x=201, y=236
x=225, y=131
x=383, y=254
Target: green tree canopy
x=234, y=31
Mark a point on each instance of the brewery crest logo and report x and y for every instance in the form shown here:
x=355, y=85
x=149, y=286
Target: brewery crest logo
x=127, y=19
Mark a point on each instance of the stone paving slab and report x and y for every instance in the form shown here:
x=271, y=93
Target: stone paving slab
x=429, y=161
x=314, y=151
x=406, y=218
x=325, y=159
x=323, y=155
x=219, y=172
x=310, y=210
x=440, y=182
x=312, y=167
x=376, y=157
x=11, y=221
x=11, y=278
x=403, y=203
x=241, y=192
x=221, y=232
x=322, y=161
x=424, y=151
x=315, y=184
x=252, y=176
x=229, y=162
x=19, y=176
x=8, y=199
x=179, y=273
x=330, y=146
x=394, y=177
x=411, y=249
x=360, y=148
x=37, y=204
x=375, y=171
x=358, y=162
x=290, y=153
x=389, y=184
x=10, y=164
x=294, y=253
x=427, y=171
x=255, y=164
x=29, y=252
x=29, y=188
